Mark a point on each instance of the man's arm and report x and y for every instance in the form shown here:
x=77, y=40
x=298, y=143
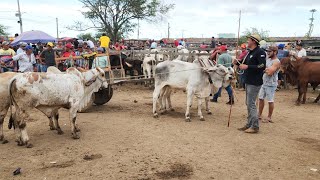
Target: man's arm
x=261, y=62
x=271, y=70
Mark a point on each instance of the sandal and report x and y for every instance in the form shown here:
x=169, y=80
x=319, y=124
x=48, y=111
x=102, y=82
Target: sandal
x=267, y=120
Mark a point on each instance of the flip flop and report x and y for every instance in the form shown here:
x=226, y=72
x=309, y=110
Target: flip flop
x=267, y=120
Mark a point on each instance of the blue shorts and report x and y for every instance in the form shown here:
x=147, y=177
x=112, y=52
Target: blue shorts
x=267, y=92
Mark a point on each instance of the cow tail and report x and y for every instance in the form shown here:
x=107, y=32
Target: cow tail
x=12, y=102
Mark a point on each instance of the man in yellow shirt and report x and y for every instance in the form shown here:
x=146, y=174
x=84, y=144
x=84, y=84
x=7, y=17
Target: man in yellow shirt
x=104, y=41
x=6, y=54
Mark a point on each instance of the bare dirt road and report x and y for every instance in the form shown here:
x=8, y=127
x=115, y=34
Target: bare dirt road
x=121, y=140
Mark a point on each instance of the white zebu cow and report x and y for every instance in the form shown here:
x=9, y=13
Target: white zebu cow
x=150, y=59
x=165, y=95
x=5, y=100
x=48, y=92
x=184, y=56
x=189, y=76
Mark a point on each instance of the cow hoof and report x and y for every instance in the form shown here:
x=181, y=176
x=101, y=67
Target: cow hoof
x=163, y=112
x=20, y=143
x=29, y=145
x=52, y=128
x=5, y=141
x=60, y=132
x=77, y=129
x=209, y=112
x=297, y=104
x=156, y=115
x=315, y=101
x=172, y=109
x=202, y=119
x=188, y=119
x=1, y=138
x=75, y=136
x=303, y=102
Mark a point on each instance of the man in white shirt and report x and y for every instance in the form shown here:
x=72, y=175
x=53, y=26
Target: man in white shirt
x=26, y=60
x=301, y=52
x=22, y=47
x=90, y=44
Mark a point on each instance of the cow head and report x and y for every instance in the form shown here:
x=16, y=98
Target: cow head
x=96, y=76
x=217, y=74
x=229, y=78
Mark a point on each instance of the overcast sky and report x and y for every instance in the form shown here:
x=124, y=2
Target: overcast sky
x=190, y=18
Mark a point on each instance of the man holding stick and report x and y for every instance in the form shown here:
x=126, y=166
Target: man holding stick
x=254, y=66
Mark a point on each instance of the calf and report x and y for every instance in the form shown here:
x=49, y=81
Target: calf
x=189, y=76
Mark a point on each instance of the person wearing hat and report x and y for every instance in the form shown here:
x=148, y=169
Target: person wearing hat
x=26, y=59
x=81, y=63
x=254, y=65
x=226, y=60
x=6, y=53
x=21, y=48
x=47, y=57
x=270, y=82
x=300, y=51
x=68, y=53
x=100, y=61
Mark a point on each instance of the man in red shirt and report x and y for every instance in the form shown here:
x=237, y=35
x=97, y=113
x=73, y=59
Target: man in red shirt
x=68, y=53
x=176, y=43
x=241, y=57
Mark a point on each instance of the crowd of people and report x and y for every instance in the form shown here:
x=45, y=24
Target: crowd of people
x=38, y=57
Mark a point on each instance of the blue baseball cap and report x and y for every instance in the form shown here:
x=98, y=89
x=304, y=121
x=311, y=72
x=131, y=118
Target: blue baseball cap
x=281, y=46
x=28, y=47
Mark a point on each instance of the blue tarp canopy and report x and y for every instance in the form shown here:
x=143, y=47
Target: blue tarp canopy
x=33, y=37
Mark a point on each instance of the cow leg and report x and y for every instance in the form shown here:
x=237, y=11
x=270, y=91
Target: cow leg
x=162, y=101
x=56, y=121
x=189, y=104
x=207, y=105
x=156, y=95
x=299, y=96
x=21, y=130
x=73, y=118
x=317, y=99
x=1, y=127
x=169, y=100
x=305, y=94
x=199, y=109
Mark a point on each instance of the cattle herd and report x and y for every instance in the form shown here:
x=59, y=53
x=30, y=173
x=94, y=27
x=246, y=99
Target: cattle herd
x=48, y=92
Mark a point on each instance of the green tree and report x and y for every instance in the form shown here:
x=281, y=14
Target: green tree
x=85, y=36
x=3, y=30
x=263, y=34
x=116, y=17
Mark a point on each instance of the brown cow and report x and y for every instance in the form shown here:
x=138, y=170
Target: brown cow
x=301, y=71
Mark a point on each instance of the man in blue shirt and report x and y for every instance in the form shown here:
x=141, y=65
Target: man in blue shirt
x=281, y=54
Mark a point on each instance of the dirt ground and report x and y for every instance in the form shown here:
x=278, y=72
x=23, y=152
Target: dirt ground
x=121, y=140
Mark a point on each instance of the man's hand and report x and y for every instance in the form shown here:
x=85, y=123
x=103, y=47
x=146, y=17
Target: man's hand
x=2, y=63
x=243, y=66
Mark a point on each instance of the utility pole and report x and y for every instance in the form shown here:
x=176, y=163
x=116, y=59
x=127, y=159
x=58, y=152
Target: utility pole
x=138, y=28
x=168, y=31
x=182, y=32
x=57, y=24
x=308, y=35
x=19, y=15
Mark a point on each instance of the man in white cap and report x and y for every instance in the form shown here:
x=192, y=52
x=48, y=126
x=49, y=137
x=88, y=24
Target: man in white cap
x=253, y=66
x=22, y=46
